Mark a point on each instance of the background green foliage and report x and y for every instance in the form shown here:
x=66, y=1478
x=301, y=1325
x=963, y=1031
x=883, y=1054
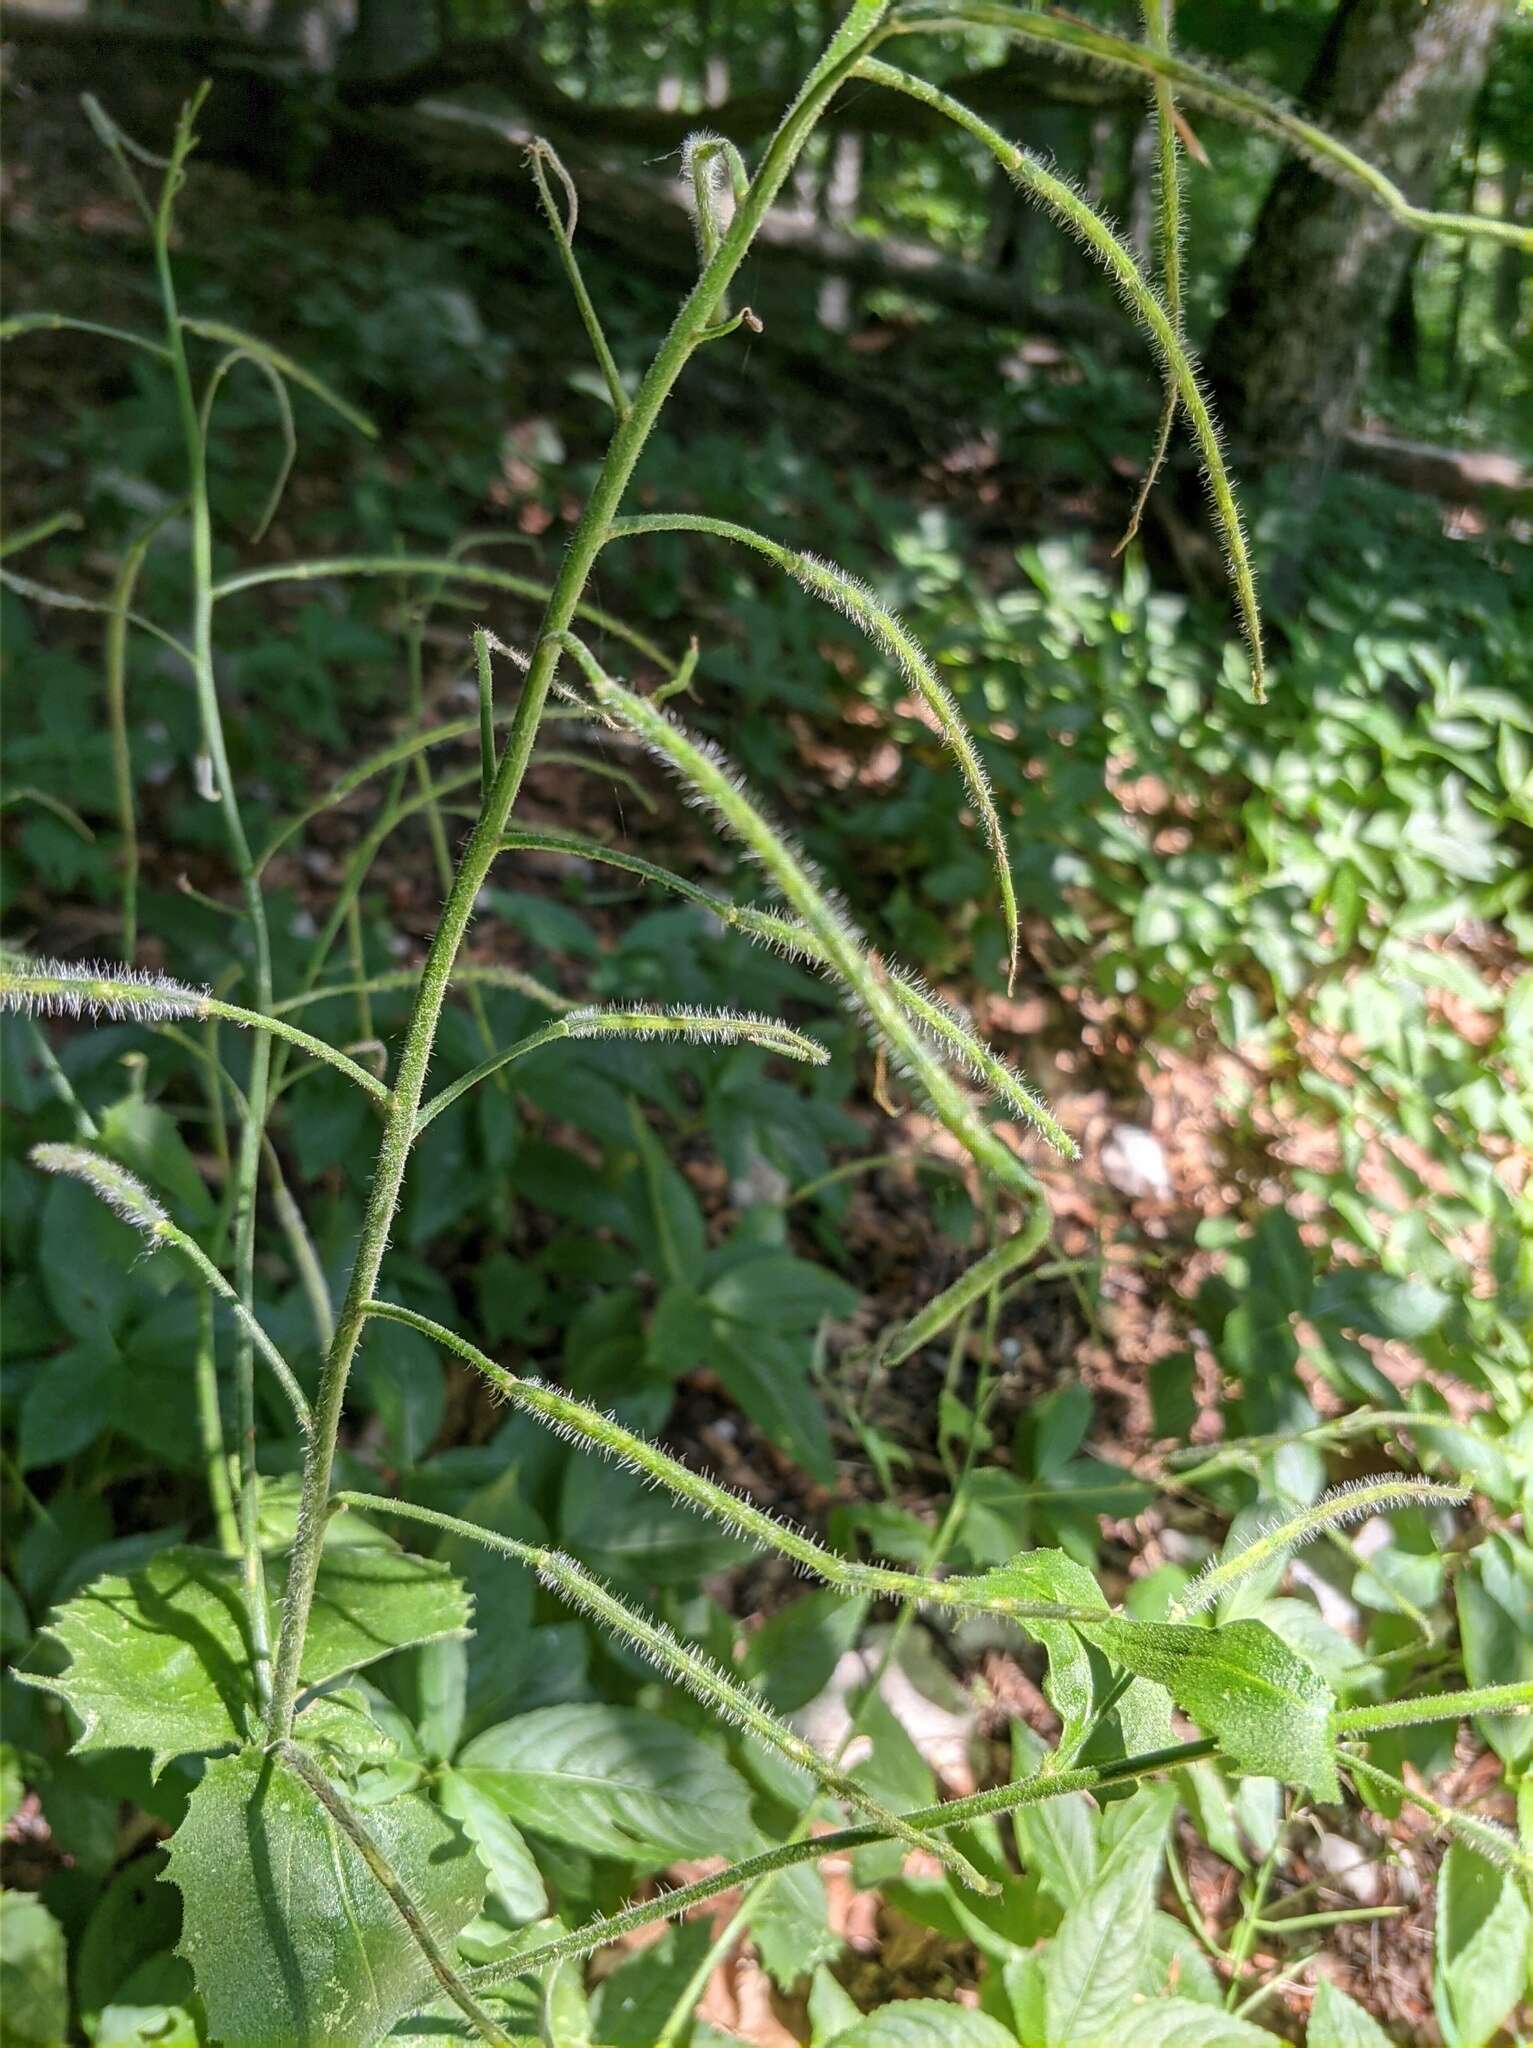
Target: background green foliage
x=1340, y=915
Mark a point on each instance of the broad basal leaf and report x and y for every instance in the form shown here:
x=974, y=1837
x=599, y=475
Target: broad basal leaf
x=159, y=1660
x=289, y=1934
x=612, y=1781
x=1269, y=1709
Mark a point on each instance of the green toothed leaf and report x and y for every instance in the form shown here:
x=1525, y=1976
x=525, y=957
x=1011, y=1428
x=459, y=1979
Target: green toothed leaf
x=1269, y=1710
x=160, y=1660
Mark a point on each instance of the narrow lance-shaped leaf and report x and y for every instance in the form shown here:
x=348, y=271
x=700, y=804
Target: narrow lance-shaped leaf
x=1083, y=221
x=702, y=769
x=858, y=603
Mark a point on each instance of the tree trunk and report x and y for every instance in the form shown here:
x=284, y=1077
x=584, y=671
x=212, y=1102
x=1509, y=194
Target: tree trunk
x=1395, y=79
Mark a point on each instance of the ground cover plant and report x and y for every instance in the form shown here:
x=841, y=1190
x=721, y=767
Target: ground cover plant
x=409, y=1731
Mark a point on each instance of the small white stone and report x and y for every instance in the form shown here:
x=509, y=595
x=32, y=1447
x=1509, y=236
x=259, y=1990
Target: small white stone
x=1134, y=1162
x=1350, y=1869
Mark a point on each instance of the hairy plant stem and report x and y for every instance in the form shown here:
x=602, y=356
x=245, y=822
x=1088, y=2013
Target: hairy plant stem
x=851, y=42
x=952, y=1813
x=116, y=661
x=357, y=1832
x=210, y=1428
x=567, y=1416
x=931, y=1558
x=248, y=1166
x=699, y=1674
x=1513, y=1698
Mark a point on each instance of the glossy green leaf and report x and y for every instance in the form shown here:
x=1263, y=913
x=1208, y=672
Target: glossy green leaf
x=1269, y=1709
x=627, y=1531
x=1099, y=1957
x=1495, y=1618
x=1336, y=2021
x=34, y=1991
x=614, y=1782
x=159, y=1660
x=1183, y=2023
x=289, y=1934
x=792, y=1655
x=1056, y=1839
x=925, y=2023
x=134, y=1920
x=632, y=2005
x=1483, y=1931
x=514, y=1878
x=831, y=2011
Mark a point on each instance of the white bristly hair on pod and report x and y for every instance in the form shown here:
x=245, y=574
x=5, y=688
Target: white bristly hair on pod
x=96, y=988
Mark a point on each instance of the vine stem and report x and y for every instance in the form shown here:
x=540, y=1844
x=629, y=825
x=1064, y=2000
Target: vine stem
x=356, y=1831
x=856, y=37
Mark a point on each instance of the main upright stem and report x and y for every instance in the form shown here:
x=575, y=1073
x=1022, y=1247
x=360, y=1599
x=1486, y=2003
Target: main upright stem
x=856, y=37
x=248, y=1168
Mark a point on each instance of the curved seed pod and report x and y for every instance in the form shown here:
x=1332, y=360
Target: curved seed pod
x=688, y=1667
x=717, y=787
x=941, y=1023
x=1168, y=224
x=579, y=1423
x=63, y=988
x=1069, y=37
x=701, y=1027
x=1343, y=1504
x=126, y=1196
x=1096, y=236
x=857, y=602
x=975, y=1281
